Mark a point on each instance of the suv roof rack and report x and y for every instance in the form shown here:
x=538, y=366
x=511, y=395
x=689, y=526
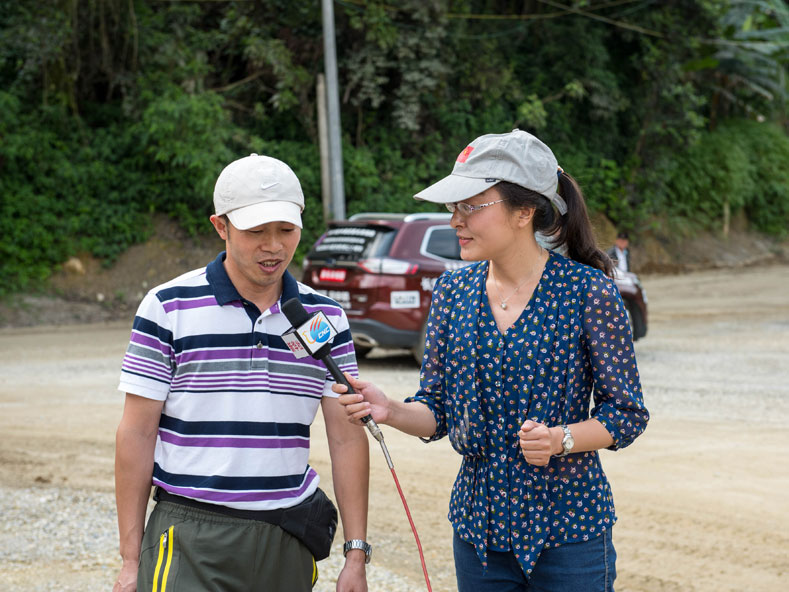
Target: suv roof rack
x=377, y=216
x=400, y=216
x=428, y=216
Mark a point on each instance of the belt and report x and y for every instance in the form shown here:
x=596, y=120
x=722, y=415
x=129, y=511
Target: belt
x=270, y=516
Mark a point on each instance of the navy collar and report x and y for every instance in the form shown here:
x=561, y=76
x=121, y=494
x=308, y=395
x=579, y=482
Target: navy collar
x=290, y=287
x=224, y=290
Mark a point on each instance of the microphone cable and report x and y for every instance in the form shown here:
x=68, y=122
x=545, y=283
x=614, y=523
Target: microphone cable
x=376, y=432
x=318, y=346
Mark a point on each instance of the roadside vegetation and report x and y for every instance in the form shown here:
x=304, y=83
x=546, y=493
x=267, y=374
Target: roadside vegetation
x=672, y=115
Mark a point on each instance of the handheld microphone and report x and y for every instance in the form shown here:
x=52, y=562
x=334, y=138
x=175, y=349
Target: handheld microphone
x=312, y=335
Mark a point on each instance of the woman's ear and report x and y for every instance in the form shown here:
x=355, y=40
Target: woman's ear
x=525, y=216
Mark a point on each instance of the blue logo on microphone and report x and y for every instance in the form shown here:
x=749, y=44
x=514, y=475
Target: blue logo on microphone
x=319, y=331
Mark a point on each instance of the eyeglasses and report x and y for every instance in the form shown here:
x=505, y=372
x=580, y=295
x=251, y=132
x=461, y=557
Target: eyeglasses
x=467, y=209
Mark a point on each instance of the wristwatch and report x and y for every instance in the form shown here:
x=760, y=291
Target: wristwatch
x=567, y=441
x=358, y=544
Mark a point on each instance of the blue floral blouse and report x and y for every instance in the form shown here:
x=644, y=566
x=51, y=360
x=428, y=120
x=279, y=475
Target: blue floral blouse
x=571, y=345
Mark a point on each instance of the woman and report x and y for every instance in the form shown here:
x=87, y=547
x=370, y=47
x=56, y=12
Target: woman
x=519, y=345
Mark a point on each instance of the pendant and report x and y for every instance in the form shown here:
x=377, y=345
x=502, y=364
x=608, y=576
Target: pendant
x=503, y=306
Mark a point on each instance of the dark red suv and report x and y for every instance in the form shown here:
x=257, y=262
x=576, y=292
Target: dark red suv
x=382, y=268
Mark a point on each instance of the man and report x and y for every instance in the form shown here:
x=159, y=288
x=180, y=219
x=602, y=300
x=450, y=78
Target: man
x=218, y=412
x=620, y=252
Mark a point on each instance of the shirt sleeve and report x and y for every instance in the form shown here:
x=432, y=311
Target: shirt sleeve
x=618, y=399
x=431, y=377
x=149, y=363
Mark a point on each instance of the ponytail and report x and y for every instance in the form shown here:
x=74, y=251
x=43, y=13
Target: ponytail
x=573, y=229
x=576, y=229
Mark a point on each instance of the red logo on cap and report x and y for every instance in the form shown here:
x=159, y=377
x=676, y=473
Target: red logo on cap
x=463, y=156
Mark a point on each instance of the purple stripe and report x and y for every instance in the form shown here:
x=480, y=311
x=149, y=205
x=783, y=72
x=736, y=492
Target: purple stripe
x=187, y=304
x=328, y=311
x=236, y=379
x=276, y=355
x=294, y=381
x=245, y=496
x=224, y=387
x=284, y=355
x=147, y=363
x=147, y=341
x=249, y=389
x=158, y=373
x=214, y=354
x=351, y=369
x=341, y=350
x=224, y=442
x=195, y=377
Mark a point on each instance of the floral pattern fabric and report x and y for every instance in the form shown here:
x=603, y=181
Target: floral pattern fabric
x=568, y=357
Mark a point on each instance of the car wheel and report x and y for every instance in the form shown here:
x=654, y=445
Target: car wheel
x=636, y=321
x=362, y=350
x=418, y=351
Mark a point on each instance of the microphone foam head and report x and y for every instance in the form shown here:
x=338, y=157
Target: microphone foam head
x=294, y=311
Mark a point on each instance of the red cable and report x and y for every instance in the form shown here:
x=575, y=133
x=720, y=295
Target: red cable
x=413, y=528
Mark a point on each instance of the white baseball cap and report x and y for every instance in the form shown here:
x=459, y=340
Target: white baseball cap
x=517, y=157
x=255, y=190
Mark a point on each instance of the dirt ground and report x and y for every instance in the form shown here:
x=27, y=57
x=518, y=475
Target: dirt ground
x=701, y=496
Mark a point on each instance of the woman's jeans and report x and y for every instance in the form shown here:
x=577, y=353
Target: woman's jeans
x=573, y=567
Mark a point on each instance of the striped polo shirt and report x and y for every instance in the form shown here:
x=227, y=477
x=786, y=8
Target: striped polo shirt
x=235, y=426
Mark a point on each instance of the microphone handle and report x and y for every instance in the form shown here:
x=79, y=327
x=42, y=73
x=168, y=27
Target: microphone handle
x=339, y=377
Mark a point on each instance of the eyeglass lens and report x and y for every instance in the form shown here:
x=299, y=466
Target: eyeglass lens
x=464, y=208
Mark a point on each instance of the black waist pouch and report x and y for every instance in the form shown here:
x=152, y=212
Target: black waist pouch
x=313, y=522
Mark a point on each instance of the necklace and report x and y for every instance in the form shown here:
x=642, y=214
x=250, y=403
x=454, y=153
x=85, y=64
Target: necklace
x=503, y=301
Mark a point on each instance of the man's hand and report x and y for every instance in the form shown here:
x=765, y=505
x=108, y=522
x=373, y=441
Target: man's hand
x=353, y=577
x=127, y=578
x=538, y=442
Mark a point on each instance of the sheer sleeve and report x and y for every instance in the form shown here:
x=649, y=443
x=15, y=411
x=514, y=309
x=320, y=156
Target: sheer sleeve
x=431, y=377
x=618, y=400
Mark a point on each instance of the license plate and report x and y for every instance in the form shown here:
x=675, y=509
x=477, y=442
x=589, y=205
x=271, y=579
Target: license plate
x=331, y=275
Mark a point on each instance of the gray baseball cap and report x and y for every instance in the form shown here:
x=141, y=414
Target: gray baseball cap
x=256, y=190
x=517, y=157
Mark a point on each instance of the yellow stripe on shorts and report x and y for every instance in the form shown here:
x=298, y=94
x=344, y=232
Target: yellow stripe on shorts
x=167, y=565
x=314, y=571
x=165, y=542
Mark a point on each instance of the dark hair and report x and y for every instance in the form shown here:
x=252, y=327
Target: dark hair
x=573, y=229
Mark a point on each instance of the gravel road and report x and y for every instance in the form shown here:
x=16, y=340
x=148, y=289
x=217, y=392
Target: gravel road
x=700, y=497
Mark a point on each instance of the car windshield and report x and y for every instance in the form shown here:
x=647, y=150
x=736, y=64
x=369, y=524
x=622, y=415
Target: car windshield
x=352, y=243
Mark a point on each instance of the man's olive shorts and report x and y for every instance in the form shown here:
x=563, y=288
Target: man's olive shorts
x=188, y=550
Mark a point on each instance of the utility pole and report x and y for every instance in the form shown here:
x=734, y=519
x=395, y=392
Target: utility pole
x=323, y=144
x=337, y=181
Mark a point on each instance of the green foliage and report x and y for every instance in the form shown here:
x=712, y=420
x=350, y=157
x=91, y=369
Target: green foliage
x=113, y=110
x=743, y=164
x=61, y=194
x=186, y=140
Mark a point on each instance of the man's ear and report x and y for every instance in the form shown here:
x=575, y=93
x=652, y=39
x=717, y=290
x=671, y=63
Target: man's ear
x=220, y=225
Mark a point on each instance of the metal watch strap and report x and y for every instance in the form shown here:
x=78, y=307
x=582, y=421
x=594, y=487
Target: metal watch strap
x=358, y=544
x=568, y=435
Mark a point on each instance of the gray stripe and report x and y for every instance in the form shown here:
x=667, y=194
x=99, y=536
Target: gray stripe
x=148, y=354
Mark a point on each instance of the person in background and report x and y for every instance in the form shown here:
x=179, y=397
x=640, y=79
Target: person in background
x=620, y=252
x=218, y=412
x=529, y=369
